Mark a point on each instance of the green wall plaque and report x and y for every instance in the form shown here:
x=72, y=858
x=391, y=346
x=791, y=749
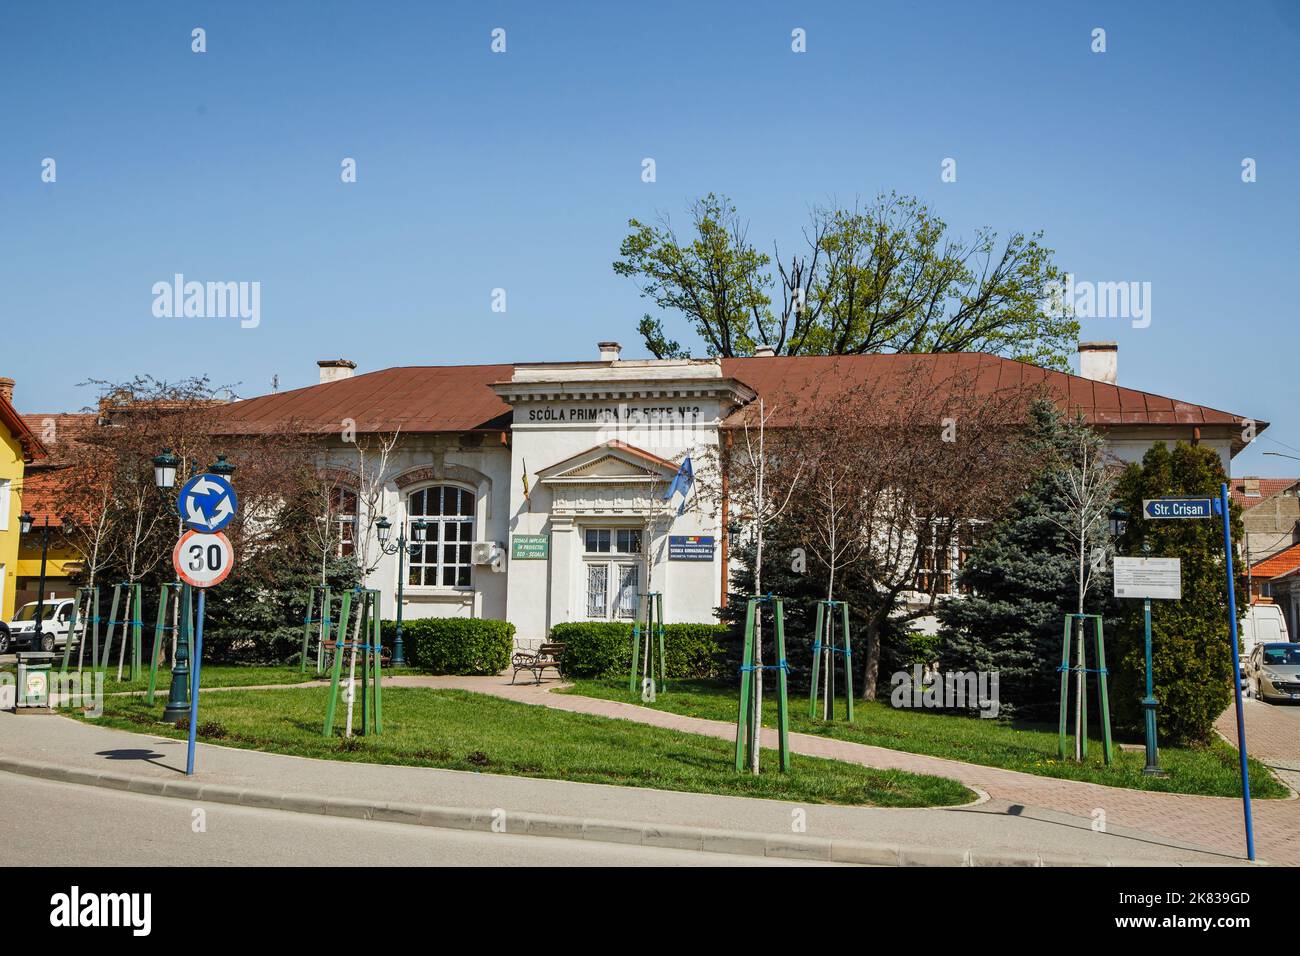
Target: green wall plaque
x=530, y=547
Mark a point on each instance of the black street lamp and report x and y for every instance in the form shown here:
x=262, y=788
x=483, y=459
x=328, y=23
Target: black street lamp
x=164, y=470
x=1118, y=521
x=25, y=523
x=403, y=549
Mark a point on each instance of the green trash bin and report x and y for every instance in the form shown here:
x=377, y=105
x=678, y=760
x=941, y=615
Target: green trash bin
x=33, y=688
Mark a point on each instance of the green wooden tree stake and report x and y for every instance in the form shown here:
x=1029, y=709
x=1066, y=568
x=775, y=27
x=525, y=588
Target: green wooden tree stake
x=319, y=600
x=828, y=650
x=89, y=596
x=368, y=646
x=746, y=740
x=654, y=658
x=170, y=595
x=1082, y=621
x=130, y=598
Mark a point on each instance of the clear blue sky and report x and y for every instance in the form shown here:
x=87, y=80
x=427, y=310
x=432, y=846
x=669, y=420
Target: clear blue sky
x=519, y=171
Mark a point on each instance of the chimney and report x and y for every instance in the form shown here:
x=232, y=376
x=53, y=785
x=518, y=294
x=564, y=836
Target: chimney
x=1099, y=361
x=609, y=351
x=7, y=389
x=332, y=370
x=764, y=351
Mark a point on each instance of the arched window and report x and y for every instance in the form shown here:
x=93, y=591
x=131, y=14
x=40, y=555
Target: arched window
x=342, y=515
x=445, y=559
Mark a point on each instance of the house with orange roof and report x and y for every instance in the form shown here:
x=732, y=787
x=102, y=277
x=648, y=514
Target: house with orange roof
x=19, y=448
x=1270, y=513
x=1277, y=579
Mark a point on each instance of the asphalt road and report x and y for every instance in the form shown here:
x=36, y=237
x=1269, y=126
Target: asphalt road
x=160, y=831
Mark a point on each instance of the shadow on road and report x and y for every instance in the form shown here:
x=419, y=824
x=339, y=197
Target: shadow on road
x=145, y=754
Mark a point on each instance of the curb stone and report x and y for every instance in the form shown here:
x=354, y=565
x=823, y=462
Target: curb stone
x=702, y=839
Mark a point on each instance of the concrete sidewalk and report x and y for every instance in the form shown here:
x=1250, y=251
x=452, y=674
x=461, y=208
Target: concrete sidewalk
x=1213, y=822
x=994, y=832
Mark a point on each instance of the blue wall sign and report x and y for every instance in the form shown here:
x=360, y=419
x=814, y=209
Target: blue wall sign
x=690, y=547
x=207, y=503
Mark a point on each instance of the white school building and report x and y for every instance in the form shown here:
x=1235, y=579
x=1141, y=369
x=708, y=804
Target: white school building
x=597, y=445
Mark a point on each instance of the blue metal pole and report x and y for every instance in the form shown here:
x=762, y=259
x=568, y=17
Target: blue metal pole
x=194, y=684
x=1236, y=674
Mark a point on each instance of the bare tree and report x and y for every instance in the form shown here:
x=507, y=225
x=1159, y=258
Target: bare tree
x=759, y=474
x=372, y=474
x=1084, y=477
x=829, y=514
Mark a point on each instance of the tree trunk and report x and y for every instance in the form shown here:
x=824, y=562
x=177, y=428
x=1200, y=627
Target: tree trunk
x=871, y=669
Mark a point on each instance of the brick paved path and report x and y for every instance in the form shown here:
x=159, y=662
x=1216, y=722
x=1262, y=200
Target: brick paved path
x=1214, y=822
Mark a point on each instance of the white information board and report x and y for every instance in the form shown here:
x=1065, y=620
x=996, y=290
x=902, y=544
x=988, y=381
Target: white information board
x=1149, y=578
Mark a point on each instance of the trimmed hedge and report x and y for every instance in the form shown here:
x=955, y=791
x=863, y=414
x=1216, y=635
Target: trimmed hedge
x=604, y=648
x=454, y=645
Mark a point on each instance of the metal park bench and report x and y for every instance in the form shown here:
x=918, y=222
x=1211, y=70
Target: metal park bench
x=548, y=655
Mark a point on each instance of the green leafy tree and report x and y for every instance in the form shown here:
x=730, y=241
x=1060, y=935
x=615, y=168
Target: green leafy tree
x=1191, y=650
x=886, y=277
x=1023, y=577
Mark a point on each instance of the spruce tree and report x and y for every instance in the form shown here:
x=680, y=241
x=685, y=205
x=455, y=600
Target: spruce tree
x=1021, y=576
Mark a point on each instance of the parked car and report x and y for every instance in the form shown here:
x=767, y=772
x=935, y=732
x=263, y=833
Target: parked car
x=1263, y=624
x=56, y=615
x=1273, y=671
x=4, y=638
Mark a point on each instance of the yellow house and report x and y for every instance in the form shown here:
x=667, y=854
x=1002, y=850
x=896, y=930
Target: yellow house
x=19, y=446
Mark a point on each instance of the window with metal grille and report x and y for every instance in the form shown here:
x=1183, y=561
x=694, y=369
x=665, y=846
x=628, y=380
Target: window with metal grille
x=445, y=558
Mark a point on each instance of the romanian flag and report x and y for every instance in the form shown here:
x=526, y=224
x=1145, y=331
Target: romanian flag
x=682, y=482
x=525, y=480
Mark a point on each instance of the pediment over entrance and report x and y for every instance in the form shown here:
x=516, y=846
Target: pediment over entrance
x=611, y=462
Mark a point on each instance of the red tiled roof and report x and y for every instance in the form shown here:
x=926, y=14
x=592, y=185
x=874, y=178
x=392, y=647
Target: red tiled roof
x=1279, y=564
x=458, y=397
x=57, y=430
x=1268, y=487
x=31, y=445
x=40, y=489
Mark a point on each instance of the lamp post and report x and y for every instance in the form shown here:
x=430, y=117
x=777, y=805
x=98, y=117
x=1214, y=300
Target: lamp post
x=165, y=466
x=25, y=523
x=1119, y=521
x=403, y=549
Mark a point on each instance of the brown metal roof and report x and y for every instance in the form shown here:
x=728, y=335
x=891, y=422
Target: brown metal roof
x=438, y=398
x=457, y=398
x=1099, y=403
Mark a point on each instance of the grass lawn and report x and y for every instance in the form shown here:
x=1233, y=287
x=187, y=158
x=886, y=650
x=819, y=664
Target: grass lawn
x=460, y=730
x=1032, y=748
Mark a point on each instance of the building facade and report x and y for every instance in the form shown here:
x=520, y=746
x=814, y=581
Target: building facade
x=548, y=488
x=19, y=447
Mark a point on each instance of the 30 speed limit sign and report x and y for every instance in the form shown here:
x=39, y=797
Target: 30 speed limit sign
x=202, y=559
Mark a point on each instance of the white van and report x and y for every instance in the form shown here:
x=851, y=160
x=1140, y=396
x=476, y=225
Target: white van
x=56, y=616
x=1263, y=624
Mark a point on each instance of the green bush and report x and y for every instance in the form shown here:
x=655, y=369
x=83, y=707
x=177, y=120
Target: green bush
x=1191, y=659
x=604, y=648
x=454, y=645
